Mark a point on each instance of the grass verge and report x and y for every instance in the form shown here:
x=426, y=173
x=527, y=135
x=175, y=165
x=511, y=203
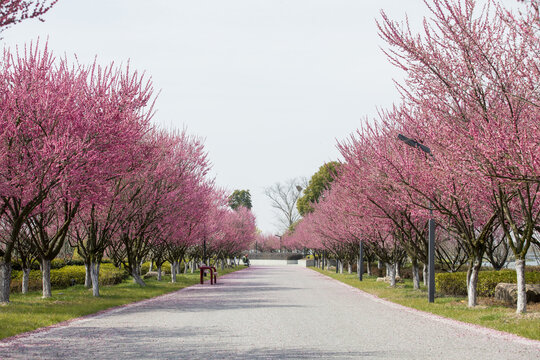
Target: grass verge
x=29, y=312
x=488, y=313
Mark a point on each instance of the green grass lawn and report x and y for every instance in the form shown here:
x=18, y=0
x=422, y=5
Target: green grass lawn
x=28, y=312
x=489, y=313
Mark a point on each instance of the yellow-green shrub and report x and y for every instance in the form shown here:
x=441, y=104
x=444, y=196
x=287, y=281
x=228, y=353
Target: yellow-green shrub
x=165, y=268
x=67, y=276
x=456, y=283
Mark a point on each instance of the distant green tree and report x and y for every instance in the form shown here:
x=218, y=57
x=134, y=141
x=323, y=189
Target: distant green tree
x=320, y=182
x=240, y=198
x=292, y=227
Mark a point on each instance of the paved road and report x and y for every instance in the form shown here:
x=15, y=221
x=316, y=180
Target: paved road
x=268, y=313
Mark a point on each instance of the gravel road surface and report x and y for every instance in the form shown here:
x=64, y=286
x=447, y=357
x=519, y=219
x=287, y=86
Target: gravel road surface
x=267, y=313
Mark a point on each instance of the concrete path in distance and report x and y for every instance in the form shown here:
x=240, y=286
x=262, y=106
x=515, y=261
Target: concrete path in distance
x=267, y=313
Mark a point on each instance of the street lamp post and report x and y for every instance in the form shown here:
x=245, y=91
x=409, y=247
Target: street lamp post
x=279, y=236
x=361, y=261
x=204, y=250
x=431, y=225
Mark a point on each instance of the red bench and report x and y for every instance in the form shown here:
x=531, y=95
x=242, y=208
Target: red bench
x=213, y=274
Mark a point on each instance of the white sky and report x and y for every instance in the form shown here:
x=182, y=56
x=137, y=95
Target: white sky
x=269, y=84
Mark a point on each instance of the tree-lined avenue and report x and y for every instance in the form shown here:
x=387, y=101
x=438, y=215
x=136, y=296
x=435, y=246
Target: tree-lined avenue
x=268, y=313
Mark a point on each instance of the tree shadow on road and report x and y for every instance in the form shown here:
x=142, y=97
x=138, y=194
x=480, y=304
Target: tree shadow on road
x=154, y=342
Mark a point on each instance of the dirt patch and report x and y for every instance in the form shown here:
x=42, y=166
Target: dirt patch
x=527, y=315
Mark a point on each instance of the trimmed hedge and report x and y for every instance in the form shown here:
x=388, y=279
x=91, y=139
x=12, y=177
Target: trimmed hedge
x=67, y=276
x=456, y=283
x=165, y=268
x=55, y=264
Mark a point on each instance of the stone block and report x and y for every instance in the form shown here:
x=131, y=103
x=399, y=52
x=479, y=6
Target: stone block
x=151, y=274
x=508, y=292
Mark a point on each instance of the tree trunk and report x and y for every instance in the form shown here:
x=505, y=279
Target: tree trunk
x=192, y=265
x=94, y=273
x=360, y=266
x=151, y=266
x=173, y=271
x=137, y=278
x=185, y=267
x=471, y=286
x=323, y=260
x=25, y=280
x=424, y=275
x=379, y=264
x=369, y=268
x=222, y=264
x=392, y=273
x=349, y=267
x=87, y=276
x=340, y=267
x=5, y=281
x=46, y=278
x=521, y=289
x=159, y=273
x=415, y=275
x=398, y=272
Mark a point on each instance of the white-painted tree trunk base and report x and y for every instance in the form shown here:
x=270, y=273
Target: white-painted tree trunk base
x=471, y=288
x=392, y=274
x=521, y=306
x=46, y=278
x=137, y=279
x=416, y=277
x=173, y=271
x=5, y=282
x=94, y=273
x=87, y=276
x=25, y=281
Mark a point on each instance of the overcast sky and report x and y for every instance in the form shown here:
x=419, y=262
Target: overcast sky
x=271, y=85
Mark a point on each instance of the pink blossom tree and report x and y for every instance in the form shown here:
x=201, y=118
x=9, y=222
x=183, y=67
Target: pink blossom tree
x=114, y=117
x=53, y=149
x=470, y=82
x=14, y=11
x=235, y=234
x=270, y=243
x=189, y=222
x=156, y=194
